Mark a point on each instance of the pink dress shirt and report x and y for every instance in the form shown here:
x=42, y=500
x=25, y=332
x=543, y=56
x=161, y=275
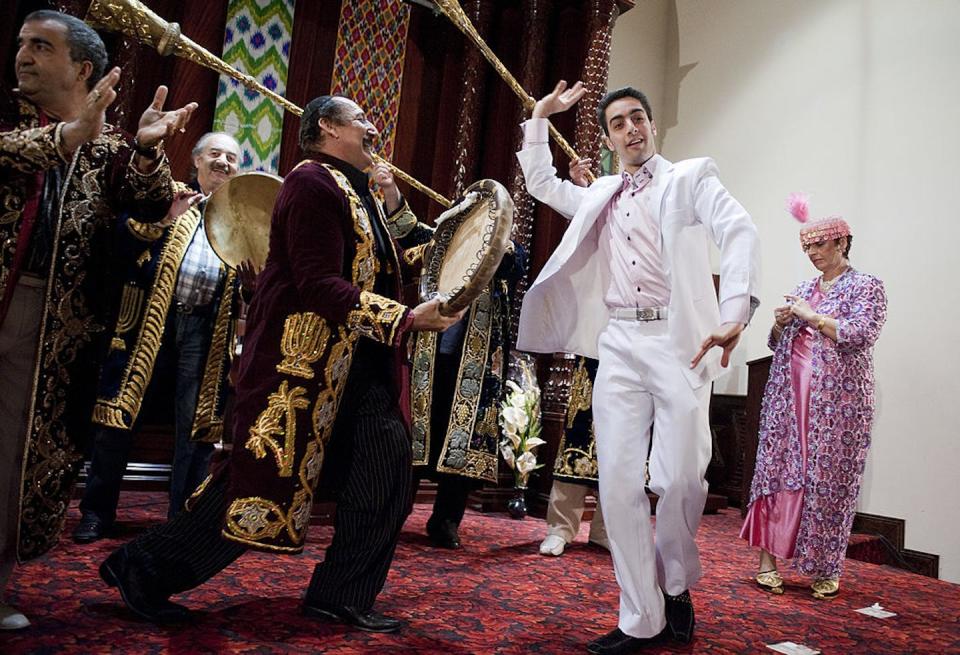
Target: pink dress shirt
x=630, y=240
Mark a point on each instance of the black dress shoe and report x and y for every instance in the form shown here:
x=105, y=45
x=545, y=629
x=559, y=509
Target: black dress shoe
x=679, y=611
x=117, y=572
x=365, y=619
x=617, y=642
x=444, y=533
x=90, y=529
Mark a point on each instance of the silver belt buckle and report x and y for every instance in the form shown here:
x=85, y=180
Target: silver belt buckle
x=647, y=314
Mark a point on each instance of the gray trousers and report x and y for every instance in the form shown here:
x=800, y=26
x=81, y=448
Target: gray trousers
x=19, y=335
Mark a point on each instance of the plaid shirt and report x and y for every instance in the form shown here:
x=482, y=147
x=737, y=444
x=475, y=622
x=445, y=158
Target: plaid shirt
x=200, y=272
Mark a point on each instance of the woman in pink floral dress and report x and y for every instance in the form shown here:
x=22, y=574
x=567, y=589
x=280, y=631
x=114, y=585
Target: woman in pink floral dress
x=817, y=413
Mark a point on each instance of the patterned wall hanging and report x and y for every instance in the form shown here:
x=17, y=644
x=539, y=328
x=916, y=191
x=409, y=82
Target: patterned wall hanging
x=368, y=64
x=256, y=42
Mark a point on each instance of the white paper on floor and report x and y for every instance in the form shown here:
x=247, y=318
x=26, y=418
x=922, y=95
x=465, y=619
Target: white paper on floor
x=790, y=648
x=876, y=611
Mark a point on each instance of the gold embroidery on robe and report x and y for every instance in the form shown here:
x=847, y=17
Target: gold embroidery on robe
x=67, y=324
x=208, y=418
x=457, y=455
x=264, y=520
x=278, y=419
x=254, y=519
x=581, y=393
x=377, y=317
x=421, y=395
x=139, y=370
x=572, y=461
x=304, y=339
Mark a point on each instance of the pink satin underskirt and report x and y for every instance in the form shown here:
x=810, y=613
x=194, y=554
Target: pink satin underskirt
x=773, y=521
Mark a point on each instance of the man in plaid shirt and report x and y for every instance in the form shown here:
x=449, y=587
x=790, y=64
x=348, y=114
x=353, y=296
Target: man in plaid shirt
x=197, y=314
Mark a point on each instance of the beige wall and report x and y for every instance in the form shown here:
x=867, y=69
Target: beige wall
x=854, y=102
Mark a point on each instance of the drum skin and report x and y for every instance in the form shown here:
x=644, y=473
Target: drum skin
x=237, y=217
x=467, y=247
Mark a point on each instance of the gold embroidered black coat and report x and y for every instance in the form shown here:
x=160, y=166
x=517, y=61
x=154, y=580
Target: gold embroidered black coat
x=146, y=300
x=100, y=183
x=470, y=441
x=314, y=301
x=577, y=454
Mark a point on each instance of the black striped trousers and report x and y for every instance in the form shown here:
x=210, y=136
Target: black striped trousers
x=370, y=450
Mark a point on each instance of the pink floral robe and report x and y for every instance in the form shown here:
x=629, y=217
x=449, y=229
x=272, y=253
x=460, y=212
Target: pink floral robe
x=805, y=486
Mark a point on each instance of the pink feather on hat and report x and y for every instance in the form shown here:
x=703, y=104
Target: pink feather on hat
x=797, y=205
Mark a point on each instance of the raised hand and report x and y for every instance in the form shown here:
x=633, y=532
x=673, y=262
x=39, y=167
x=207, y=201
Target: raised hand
x=247, y=272
x=182, y=201
x=580, y=170
x=558, y=100
x=157, y=124
x=88, y=125
x=727, y=336
x=383, y=177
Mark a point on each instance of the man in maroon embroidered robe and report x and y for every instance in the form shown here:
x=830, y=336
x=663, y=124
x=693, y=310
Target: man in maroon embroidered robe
x=319, y=378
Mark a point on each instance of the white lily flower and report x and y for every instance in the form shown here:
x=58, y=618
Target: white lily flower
x=514, y=419
x=507, y=453
x=526, y=463
x=533, y=442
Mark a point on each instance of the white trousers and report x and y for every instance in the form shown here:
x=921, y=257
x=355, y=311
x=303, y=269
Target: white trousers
x=567, y=500
x=640, y=382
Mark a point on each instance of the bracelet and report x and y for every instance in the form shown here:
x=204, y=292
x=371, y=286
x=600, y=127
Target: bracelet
x=820, y=323
x=150, y=152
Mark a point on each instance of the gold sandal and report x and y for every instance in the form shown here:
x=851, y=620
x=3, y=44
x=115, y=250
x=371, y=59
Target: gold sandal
x=825, y=589
x=770, y=581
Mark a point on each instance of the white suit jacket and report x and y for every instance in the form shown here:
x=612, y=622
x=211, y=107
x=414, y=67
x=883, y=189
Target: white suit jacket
x=564, y=311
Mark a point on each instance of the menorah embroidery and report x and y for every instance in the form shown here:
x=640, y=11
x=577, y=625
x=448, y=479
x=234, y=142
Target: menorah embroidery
x=304, y=339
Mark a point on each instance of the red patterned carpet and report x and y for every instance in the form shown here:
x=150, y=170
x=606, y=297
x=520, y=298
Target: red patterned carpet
x=495, y=596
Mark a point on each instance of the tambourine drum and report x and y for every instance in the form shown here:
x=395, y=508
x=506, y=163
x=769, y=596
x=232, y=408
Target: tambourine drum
x=467, y=246
x=237, y=217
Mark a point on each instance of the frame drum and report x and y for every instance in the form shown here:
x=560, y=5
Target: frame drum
x=237, y=217
x=467, y=247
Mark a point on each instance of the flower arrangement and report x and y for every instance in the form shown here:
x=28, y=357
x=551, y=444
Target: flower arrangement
x=520, y=420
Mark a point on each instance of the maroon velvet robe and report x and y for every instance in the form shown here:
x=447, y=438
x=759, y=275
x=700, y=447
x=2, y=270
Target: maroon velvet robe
x=314, y=301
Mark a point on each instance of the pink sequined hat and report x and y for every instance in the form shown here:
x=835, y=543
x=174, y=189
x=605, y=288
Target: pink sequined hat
x=832, y=227
x=826, y=229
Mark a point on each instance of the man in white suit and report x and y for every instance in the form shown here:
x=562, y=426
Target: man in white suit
x=631, y=284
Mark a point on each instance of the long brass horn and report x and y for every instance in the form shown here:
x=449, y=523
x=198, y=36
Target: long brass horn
x=453, y=11
x=133, y=19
